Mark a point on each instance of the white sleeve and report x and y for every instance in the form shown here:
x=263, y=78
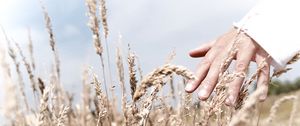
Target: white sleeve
x=275, y=26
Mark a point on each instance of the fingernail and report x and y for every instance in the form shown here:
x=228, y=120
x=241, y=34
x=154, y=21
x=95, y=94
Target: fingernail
x=232, y=100
x=202, y=94
x=262, y=97
x=189, y=86
x=227, y=102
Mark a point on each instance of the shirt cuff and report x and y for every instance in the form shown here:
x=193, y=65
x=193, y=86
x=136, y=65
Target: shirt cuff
x=274, y=25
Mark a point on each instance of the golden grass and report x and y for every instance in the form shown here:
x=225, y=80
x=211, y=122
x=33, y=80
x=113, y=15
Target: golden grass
x=147, y=105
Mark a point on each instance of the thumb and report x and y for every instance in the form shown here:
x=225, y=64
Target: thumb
x=202, y=50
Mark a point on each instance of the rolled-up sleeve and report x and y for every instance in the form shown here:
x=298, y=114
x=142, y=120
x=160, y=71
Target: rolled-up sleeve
x=275, y=26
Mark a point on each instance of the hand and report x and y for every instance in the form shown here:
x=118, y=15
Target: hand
x=214, y=53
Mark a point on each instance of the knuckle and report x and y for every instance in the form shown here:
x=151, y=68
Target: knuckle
x=233, y=90
x=206, y=61
x=205, y=84
x=265, y=71
x=253, y=48
x=241, y=67
x=266, y=67
x=265, y=80
x=218, y=47
x=248, y=44
x=235, y=87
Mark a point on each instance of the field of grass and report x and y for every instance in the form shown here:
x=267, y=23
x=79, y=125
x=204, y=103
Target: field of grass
x=284, y=111
x=152, y=99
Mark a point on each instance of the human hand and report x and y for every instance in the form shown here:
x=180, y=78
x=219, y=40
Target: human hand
x=214, y=53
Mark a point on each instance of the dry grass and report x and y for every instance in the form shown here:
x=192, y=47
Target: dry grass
x=146, y=106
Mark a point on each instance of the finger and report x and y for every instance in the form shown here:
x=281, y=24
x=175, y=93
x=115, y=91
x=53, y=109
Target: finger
x=215, y=48
x=202, y=50
x=244, y=57
x=252, y=59
x=202, y=70
x=263, y=78
x=210, y=81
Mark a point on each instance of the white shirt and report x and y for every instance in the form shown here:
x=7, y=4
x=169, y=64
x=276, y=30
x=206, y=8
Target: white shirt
x=275, y=26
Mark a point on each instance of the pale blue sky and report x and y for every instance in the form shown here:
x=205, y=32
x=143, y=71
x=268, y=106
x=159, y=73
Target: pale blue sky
x=153, y=28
